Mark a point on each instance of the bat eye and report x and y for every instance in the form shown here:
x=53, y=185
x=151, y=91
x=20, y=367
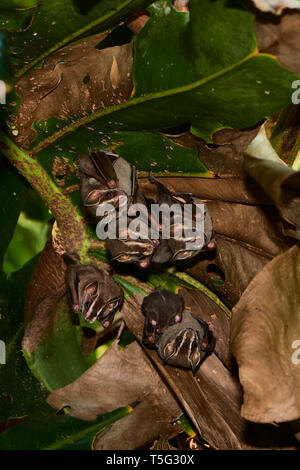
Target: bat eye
x=124, y=258
x=183, y=255
x=109, y=308
x=93, y=197
x=112, y=305
x=153, y=322
x=109, y=195
x=91, y=289
x=148, y=250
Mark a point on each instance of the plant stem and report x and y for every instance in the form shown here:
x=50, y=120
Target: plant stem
x=72, y=226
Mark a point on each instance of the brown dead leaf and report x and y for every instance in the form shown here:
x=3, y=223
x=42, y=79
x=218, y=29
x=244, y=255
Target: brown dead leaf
x=280, y=37
x=138, y=429
x=228, y=270
x=283, y=186
x=73, y=81
x=224, y=157
x=211, y=398
x=275, y=6
x=248, y=232
x=265, y=329
x=255, y=227
x=47, y=284
x=201, y=402
x=222, y=189
x=120, y=378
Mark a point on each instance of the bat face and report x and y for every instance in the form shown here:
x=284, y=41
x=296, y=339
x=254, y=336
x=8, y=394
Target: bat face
x=161, y=309
x=132, y=248
x=99, y=183
x=93, y=293
x=186, y=344
x=131, y=251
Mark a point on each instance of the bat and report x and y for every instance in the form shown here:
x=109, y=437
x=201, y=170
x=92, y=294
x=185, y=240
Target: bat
x=187, y=343
x=161, y=309
x=131, y=251
x=132, y=248
x=104, y=177
x=93, y=293
x=175, y=248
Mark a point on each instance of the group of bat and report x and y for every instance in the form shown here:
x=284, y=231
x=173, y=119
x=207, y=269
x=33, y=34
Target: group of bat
x=180, y=338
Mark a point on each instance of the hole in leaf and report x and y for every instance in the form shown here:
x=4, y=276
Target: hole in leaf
x=216, y=275
x=64, y=411
x=85, y=7
x=176, y=131
x=211, y=146
x=27, y=21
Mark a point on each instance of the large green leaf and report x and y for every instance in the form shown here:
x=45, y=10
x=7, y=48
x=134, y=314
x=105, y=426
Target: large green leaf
x=20, y=392
x=16, y=14
x=162, y=156
x=13, y=189
x=29, y=239
x=56, y=23
x=18, y=20
x=202, y=68
x=5, y=68
x=49, y=431
x=11, y=4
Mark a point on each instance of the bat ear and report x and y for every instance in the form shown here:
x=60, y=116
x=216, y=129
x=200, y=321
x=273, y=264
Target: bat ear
x=72, y=286
x=145, y=305
x=181, y=303
x=208, y=342
x=86, y=166
x=163, y=253
x=134, y=181
x=104, y=166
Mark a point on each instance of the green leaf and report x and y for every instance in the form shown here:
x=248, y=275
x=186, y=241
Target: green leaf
x=57, y=23
x=5, y=67
x=49, y=431
x=13, y=189
x=163, y=156
x=18, y=20
x=20, y=392
x=211, y=60
x=12, y=4
x=29, y=239
x=209, y=74
x=129, y=286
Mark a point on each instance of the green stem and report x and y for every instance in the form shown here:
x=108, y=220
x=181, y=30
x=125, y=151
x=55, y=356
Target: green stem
x=201, y=287
x=70, y=223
